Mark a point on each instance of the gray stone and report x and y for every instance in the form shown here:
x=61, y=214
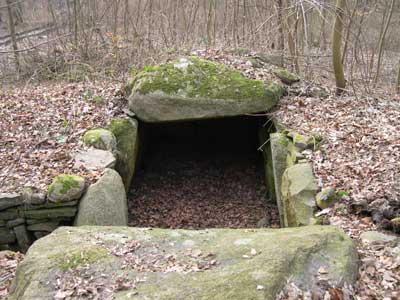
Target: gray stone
x=377, y=237
x=9, y=214
x=66, y=188
x=298, y=195
x=7, y=236
x=37, y=221
x=23, y=238
x=51, y=213
x=48, y=226
x=101, y=138
x=51, y=205
x=8, y=200
x=16, y=222
x=31, y=198
x=278, y=144
x=326, y=198
x=297, y=254
x=192, y=89
x=94, y=159
x=286, y=77
x=104, y=202
x=126, y=132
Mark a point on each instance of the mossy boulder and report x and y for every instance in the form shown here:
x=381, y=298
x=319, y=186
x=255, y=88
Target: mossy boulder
x=66, y=188
x=126, y=132
x=104, y=203
x=193, y=88
x=326, y=198
x=102, y=139
x=286, y=77
x=218, y=264
x=298, y=195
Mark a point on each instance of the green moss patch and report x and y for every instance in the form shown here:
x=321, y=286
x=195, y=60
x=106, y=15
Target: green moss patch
x=66, y=181
x=286, y=77
x=100, y=138
x=197, y=78
x=80, y=258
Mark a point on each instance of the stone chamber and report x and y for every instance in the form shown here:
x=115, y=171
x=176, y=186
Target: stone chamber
x=202, y=174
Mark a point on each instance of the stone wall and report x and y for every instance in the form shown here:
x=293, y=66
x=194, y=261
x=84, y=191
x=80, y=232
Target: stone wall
x=27, y=215
x=290, y=178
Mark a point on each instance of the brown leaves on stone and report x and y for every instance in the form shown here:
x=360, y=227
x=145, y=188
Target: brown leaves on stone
x=153, y=257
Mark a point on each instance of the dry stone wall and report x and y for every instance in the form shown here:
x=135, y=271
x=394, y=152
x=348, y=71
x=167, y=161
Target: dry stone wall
x=26, y=215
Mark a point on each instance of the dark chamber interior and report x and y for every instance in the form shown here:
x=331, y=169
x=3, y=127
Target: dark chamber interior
x=201, y=174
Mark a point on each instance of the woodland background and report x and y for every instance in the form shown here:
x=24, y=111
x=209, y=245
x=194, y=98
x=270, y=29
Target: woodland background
x=46, y=39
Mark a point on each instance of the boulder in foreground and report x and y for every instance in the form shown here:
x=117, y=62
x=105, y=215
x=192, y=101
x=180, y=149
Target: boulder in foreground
x=217, y=264
x=193, y=88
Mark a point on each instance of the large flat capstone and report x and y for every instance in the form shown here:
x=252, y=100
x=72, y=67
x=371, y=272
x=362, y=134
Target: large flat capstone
x=193, y=88
x=217, y=264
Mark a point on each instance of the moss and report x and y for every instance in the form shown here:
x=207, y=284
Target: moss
x=125, y=132
x=66, y=181
x=80, y=258
x=99, y=138
x=286, y=76
x=197, y=78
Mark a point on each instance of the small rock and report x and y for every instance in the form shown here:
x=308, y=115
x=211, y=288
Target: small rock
x=66, y=188
x=51, y=213
x=7, y=236
x=9, y=214
x=8, y=200
x=29, y=197
x=16, y=222
x=23, y=238
x=94, y=159
x=376, y=237
x=286, y=77
x=326, y=198
x=102, y=139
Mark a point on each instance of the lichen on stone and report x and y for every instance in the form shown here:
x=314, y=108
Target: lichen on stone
x=80, y=258
x=66, y=188
x=198, y=78
x=100, y=139
x=126, y=133
x=285, y=76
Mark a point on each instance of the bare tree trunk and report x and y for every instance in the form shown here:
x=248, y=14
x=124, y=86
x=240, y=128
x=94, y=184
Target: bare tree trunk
x=398, y=80
x=336, y=47
x=11, y=26
x=76, y=23
x=382, y=41
x=346, y=41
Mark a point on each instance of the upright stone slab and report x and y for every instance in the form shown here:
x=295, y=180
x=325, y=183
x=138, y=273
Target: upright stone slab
x=217, y=264
x=193, y=88
x=104, y=202
x=298, y=195
x=126, y=132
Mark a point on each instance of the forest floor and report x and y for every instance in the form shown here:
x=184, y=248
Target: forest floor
x=40, y=125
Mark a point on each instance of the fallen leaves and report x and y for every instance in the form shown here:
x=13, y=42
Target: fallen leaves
x=8, y=264
x=41, y=125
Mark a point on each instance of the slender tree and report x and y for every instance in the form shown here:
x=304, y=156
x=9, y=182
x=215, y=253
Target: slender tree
x=336, y=47
x=11, y=27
